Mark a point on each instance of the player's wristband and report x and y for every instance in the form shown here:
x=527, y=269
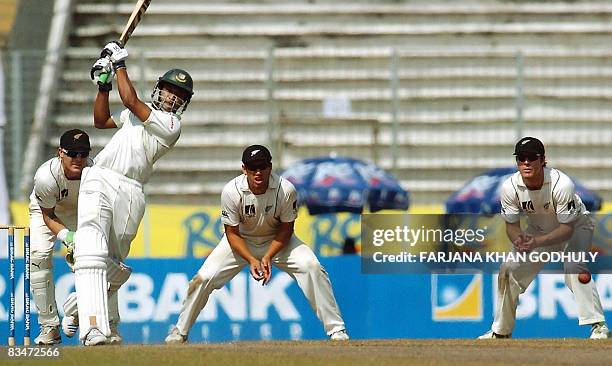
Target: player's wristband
x=119, y=65
x=106, y=87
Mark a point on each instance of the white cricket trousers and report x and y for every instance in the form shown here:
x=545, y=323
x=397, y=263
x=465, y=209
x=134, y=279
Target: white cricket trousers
x=514, y=278
x=296, y=259
x=111, y=207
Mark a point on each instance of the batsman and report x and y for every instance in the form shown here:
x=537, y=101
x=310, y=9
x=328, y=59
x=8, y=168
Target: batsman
x=111, y=199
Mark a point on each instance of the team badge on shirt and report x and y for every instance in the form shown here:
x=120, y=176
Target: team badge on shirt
x=527, y=206
x=249, y=210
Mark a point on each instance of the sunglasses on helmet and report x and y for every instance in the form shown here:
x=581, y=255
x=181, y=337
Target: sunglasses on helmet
x=74, y=154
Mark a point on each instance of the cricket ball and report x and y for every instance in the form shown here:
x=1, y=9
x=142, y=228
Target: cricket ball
x=584, y=277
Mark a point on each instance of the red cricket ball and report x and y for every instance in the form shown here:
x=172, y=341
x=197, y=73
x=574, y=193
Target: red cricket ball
x=584, y=277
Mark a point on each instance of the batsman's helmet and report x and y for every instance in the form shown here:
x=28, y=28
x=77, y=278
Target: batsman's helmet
x=179, y=78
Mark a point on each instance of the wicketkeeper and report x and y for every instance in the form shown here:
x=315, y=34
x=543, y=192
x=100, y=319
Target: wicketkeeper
x=53, y=215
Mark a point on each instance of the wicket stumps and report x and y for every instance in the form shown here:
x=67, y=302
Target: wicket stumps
x=26, y=282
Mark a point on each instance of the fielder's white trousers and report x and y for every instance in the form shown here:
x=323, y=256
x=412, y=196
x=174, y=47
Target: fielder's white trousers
x=296, y=259
x=514, y=278
x=111, y=207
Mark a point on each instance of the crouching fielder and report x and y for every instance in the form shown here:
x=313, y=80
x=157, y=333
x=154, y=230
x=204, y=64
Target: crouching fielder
x=258, y=211
x=53, y=214
x=557, y=221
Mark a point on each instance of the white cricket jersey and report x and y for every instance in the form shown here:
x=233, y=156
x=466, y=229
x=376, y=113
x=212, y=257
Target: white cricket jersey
x=258, y=216
x=137, y=145
x=556, y=202
x=53, y=189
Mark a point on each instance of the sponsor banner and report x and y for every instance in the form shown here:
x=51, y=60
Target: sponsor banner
x=456, y=297
x=454, y=243
x=373, y=306
x=179, y=231
x=193, y=231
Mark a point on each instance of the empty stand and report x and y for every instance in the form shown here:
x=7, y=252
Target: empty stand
x=439, y=85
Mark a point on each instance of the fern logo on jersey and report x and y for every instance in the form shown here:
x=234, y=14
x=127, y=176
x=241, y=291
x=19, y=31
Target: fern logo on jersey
x=456, y=297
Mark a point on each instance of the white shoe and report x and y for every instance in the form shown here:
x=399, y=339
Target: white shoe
x=600, y=331
x=95, y=338
x=49, y=334
x=70, y=325
x=492, y=335
x=115, y=337
x=340, y=335
x=175, y=337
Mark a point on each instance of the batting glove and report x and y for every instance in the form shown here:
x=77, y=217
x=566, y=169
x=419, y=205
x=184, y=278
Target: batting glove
x=117, y=54
x=102, y=74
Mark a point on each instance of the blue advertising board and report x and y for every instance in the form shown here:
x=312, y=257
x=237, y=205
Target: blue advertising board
x=373, y=306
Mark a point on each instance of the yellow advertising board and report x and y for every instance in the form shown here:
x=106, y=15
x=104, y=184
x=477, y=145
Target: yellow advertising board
x=179, y=231
x=193, y=231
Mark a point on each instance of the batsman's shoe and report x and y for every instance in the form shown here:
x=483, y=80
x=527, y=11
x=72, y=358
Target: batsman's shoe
x=115, y=337
x=49, y=334
x=95, y=338
x=70, y=326
x=600, y=331
x=340, y=335
x=492, y=335
x=175, y=337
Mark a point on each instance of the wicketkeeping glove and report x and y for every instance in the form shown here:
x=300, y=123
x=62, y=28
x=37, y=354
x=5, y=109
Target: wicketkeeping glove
x=67, y=238
x=117, y=54
x=70, y=260
x=102, y=74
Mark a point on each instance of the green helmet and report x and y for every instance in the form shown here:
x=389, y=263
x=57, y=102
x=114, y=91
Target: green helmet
x=180, y=78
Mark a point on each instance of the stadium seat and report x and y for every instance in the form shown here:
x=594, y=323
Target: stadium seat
x=445, y=102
